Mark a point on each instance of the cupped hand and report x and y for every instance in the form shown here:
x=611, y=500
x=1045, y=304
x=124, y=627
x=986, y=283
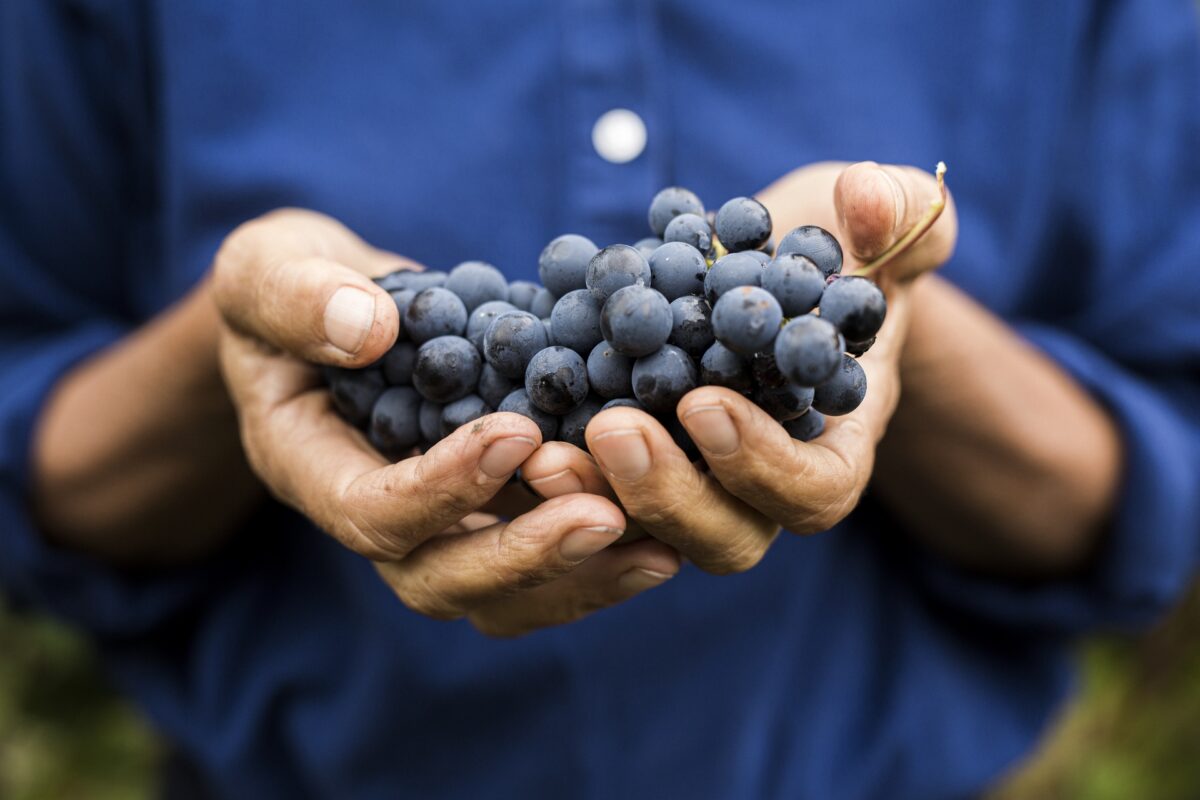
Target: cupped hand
x=724, y=513
x=293, y=291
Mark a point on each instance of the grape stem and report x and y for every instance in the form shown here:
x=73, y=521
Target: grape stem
x=936, y=207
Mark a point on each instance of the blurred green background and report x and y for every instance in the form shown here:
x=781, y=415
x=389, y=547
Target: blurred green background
x=1133, y=731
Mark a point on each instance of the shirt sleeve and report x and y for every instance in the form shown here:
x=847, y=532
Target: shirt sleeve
x=1130, y=184
x=71, y=118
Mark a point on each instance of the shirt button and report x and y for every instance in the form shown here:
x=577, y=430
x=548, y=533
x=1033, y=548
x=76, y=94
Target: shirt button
x=619, y=136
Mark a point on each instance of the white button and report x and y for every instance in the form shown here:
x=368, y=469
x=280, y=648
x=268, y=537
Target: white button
x=619, y=136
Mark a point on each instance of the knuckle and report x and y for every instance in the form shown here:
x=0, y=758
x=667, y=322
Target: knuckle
x=420, y=596
x=742, y=555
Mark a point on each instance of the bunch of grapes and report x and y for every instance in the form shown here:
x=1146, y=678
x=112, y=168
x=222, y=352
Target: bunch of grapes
x=707, y=300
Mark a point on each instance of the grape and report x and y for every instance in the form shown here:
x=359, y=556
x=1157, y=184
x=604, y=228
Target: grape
x=610, y=374
x=807, y=426
x=690, y=229
x=855, y=306
x=462, y=411
x=720, y=366
x=808, y=350
x=677, y=269
x=636, y=321
x=563, y=264
x=521, y=294
x=355, y=391
x=844, y=391
x=662, y=378
x=743, y=224
x=768, y=248
x=670, y=203
x=402, y=298
x=746, y=319
x=735, y=269
x=511, y=340
x=435, y=312
x=476, y=282
x=691, y=325
x=394, y=426
x=573, y=424
x=758, y=255
x=575, y=321
x=766, y=371
x=556, y=380
x=815, y=243
x=796, y=283
x=447, y=368
x=856, y=349
x=482, y=317
x=786, y=402
x=623, y=402
x=518, y=402
x=413, y=279
x=614, y=267
x=397, y=363
x=494, y=387
x=542, y=303
x=429, y=419
x=549, y=330
x=647, y=246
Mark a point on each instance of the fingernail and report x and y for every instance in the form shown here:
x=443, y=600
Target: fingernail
x=502, y=457
x=639, y=579
x=712, y=429
x=348, y=318
x=583, y=542
x=558, y=484
x=623, y=453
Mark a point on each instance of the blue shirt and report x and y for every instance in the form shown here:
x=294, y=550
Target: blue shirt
x=135, y=135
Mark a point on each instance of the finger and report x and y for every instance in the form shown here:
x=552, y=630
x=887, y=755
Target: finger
x=269, y=282
x=558, y=468
x=878, y=204
x=610, y=577
x=449, y=575
x=672, y=500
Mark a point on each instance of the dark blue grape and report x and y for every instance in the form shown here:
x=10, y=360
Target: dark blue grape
x=682, y=439
x=677, y=269
x=518, y=402
x=648, y=245
x=416, y=280
x=563, y=264
x=521, y=294
x=354, y=392
x=511, y=340
x=767, y=374
x=807, y=426
x=429, y=419
x=556, y=380
x=397, y=363
x=759, y=255
x=395, y=427
x=392, y=282
x=573, y=424
x=731, y=271
x=786, y=402
x=691, y=325
x=549, y=326
x=615, y=267
x=669, y=204
x=435, y=312
x=494, y=387
x=482, y=317
x=662, y=378
x=610, y=374
x=844, y=391
x=402, y=298
x=814, y=243
x=447, y=369
x=746, y=319
x=768, y=248
x=575, y=321
x=857, y=349
x=690, y=229
x=477, y=282
x=636, y=321
x=855, y=306
x=542, y=303
x=808, y=350
x=720, y=366
x=462, y=411
x=623, y=402
x=796, y=283
x=743, y=223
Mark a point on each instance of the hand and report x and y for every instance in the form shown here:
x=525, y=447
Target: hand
x=759, y=478
x=292, y=289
